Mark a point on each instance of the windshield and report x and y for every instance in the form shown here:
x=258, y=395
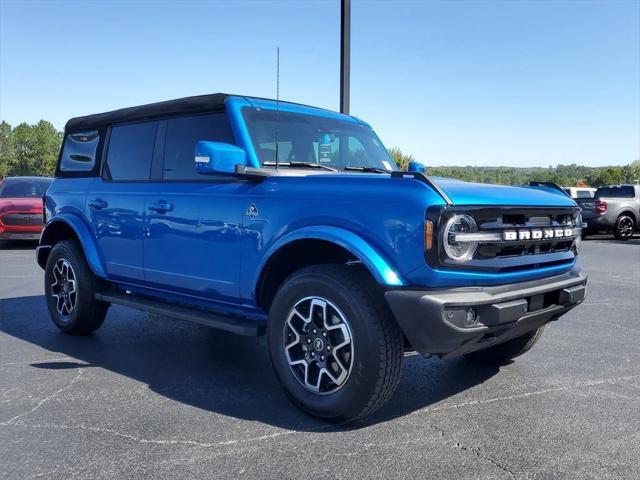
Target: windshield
x=24, y=187
x=311, y=139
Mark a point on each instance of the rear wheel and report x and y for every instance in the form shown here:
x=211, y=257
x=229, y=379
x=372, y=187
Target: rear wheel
x=624, y=227
x=70, y=288
x=508, y=350
x=333, y=343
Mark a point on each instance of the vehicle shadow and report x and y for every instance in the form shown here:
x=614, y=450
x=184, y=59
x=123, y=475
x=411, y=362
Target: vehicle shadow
x=635, y=240
x=213, y=370
x=18, y=244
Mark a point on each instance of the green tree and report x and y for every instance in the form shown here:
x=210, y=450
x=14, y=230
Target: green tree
x=29, y=149
x=23, y=161
x=607, y=176
x=402, y=159
x=47, y=147
x=6, y=148
x=632, y=172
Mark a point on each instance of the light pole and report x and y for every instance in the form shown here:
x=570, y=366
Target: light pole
x=345, y=54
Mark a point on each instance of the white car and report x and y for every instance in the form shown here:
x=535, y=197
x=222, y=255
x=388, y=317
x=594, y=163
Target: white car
x=580, y=192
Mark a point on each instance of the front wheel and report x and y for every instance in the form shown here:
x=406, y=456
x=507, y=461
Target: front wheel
x=624, y=227
x=508, y=350
x=333, y=342
x=70, y=288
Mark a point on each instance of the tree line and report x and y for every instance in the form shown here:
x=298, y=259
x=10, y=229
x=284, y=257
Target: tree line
x=33, y=150
x=566, y=175
x=29, y=149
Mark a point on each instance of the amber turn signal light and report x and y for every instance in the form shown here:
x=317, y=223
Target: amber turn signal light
x=428, y=234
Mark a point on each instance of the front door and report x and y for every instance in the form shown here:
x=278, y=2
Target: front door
x=193, y=221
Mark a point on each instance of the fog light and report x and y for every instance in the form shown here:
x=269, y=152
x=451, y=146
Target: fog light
x=462, y=317
x=471, y=319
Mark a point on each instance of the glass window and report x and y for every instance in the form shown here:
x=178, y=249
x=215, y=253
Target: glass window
x=182, y=135
x=309, y=138
x=24, y=187
x=79, y=152
x=615, y=192
x=130, y=151
x=583, y=194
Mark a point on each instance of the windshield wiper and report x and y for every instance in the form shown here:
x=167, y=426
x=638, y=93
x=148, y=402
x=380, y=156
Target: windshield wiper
x=301, y=164
x=367, y=169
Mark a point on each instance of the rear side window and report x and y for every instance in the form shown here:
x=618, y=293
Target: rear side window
x=180, y=143
x=79, y=152
x=130, y=152
x=583, y=194
x=616, y=192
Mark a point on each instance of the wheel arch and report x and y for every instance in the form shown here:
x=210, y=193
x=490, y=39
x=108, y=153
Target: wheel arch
x=629, y=213
x=316, y=245
x=69, y=227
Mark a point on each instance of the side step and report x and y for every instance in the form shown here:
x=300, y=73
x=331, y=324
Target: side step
x=233, y=324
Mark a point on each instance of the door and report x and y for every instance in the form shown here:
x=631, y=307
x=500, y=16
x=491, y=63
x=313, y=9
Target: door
x=193, y=221
x=116, y=201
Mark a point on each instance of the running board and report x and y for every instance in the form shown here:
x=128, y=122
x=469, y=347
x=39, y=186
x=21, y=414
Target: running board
x=233, y=324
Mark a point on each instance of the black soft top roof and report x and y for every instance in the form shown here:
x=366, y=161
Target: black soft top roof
x=197, y=104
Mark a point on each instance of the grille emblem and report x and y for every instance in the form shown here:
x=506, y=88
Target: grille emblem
x=537, y=234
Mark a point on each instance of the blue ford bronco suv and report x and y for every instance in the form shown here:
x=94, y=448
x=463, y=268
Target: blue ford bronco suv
x=263, y=217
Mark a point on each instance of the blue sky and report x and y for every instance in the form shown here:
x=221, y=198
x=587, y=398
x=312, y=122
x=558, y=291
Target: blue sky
x=517, y=83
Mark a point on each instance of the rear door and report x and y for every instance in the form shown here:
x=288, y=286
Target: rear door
x=116, y=200
x=193, y=221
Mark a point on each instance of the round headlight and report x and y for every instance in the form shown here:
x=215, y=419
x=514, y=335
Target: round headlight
x=459, y=251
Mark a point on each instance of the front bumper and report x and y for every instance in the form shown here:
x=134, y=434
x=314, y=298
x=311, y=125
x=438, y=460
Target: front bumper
x=433, y=320
x=10, y=235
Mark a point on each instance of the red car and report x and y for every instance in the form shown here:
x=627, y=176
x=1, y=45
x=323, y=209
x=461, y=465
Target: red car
x=21, y=207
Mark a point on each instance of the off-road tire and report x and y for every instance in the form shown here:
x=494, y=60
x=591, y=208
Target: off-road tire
x=87, y=313
x=624, y=228
x=377, y=341
x=508, y=350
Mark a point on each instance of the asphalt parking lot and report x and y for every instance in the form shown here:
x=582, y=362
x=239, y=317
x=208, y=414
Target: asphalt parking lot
x=148, y=396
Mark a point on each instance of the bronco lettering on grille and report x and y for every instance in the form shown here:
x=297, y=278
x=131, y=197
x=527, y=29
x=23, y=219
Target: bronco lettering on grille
x=533, y=234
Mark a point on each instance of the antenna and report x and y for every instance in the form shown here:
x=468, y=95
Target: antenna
x=277, y=102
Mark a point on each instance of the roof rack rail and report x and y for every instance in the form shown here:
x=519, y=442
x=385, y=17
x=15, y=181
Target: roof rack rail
x=424, y=179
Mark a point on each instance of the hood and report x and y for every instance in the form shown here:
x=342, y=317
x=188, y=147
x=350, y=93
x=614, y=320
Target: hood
x=467, y=193
x=33, y=205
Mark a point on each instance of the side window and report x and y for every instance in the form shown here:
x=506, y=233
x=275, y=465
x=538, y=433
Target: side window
x=182, y=135
x=583, y=194
x=130, y=151
x=79, y=152
x=615, y=192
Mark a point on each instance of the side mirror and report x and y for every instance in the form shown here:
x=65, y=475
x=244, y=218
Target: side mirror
x=217, y=157
x=416, y=167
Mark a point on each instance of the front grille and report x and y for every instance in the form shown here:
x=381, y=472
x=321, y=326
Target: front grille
x=501, y=255
x=22, y=219
x=499, y=222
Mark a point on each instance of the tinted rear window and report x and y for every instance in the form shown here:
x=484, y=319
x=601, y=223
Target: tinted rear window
x=24, y=187
x=182, y=135
x=615, y=192
x=131, y=151
x=79, y=152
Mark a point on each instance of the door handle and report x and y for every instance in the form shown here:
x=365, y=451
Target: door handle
x=161, y=207
x=98, y=204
